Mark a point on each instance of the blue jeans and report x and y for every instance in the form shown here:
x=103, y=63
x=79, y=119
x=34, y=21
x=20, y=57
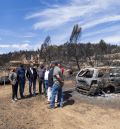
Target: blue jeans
x=46, y=86
x=56, y=89
x=32, y=83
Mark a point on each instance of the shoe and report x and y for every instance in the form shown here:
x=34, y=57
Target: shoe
x=15, y=99
x=34, y=95
x=60, y=106
x=22, y=97
x=48, y=102
x=51, y=107
x=30, y=95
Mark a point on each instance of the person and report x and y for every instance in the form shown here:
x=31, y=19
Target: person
x=46, y=80
x=13, y=79
x=21, y=79
x=61, y=67
x=41, y=72
x=32, y=76
x=50, y=81
x=58, y=95
x=57, y=86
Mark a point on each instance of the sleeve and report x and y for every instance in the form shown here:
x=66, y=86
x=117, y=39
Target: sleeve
x=55, y=72
x=63, y=70
x=10, y=77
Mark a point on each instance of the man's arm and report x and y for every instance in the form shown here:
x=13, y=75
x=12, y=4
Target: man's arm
x=10, y=77
x=58, y=77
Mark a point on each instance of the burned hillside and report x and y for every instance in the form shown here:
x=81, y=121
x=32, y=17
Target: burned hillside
x=87, y=54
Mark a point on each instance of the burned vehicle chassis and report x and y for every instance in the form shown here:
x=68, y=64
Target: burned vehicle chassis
x=94, y=81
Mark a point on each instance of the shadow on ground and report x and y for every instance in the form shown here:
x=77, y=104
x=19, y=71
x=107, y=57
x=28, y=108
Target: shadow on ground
x=67, y=98
x=29, y=96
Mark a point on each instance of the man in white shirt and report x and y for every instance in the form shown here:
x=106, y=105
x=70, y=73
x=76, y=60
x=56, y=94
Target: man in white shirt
x=46, y=80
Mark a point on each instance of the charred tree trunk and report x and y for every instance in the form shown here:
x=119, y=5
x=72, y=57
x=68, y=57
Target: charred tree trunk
x=77, y=62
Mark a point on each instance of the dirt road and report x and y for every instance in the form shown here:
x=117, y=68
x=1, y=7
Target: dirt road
x=32, y=113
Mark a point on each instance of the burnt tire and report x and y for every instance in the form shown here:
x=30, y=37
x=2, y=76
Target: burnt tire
x=93, y=90
x=109, y=89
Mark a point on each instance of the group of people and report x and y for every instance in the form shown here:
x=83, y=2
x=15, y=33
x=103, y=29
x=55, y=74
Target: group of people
x=50, y=80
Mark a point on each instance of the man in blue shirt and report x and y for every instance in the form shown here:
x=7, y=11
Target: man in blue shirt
x=21, y=79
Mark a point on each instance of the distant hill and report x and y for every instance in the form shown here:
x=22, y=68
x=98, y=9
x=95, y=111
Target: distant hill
x=68, y=52
x=5, y=58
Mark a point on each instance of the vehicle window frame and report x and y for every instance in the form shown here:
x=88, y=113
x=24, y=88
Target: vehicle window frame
x=100, y=73
x=90, y=75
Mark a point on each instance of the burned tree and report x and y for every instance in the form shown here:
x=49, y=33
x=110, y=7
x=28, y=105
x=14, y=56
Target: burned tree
x=45, y=50
x=73, y=49
x=99, y=51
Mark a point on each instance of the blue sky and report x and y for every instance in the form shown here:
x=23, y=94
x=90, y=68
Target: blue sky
x=24, y=24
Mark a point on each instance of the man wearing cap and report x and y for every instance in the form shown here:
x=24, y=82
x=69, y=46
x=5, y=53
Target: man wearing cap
x=57, y=86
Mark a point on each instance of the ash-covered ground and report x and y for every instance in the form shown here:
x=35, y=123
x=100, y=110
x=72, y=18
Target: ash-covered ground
x=79, y=111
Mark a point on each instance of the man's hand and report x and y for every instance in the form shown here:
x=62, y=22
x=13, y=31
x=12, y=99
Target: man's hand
x=62, y=83
x=60, y=80
x=58, y=77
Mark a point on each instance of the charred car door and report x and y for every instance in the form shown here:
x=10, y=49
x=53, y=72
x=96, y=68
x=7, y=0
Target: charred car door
x=84, y=79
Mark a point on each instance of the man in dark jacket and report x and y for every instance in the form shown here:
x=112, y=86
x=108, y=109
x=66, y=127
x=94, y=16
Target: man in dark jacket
x=32, y=76
x=21, y=80
x=41, y=72
x=50, y=81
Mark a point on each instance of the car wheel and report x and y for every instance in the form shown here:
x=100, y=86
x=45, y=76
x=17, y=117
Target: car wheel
x=93, y=89
x=109, y=89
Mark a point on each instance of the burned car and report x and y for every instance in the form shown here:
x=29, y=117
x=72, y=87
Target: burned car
x=4, y=80
x=92, y=81
x=110, y=82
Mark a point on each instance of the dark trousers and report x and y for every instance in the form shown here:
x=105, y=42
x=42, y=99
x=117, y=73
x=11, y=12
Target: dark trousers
x=14, y=90
x=21, y=87
x=41, y=86
x=32, y=83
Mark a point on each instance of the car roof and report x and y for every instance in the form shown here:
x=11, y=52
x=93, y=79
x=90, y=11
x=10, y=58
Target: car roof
x=100, y=68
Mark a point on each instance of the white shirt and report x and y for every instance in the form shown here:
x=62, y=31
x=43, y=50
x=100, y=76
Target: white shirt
x=31, y=70
x=46, y=75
